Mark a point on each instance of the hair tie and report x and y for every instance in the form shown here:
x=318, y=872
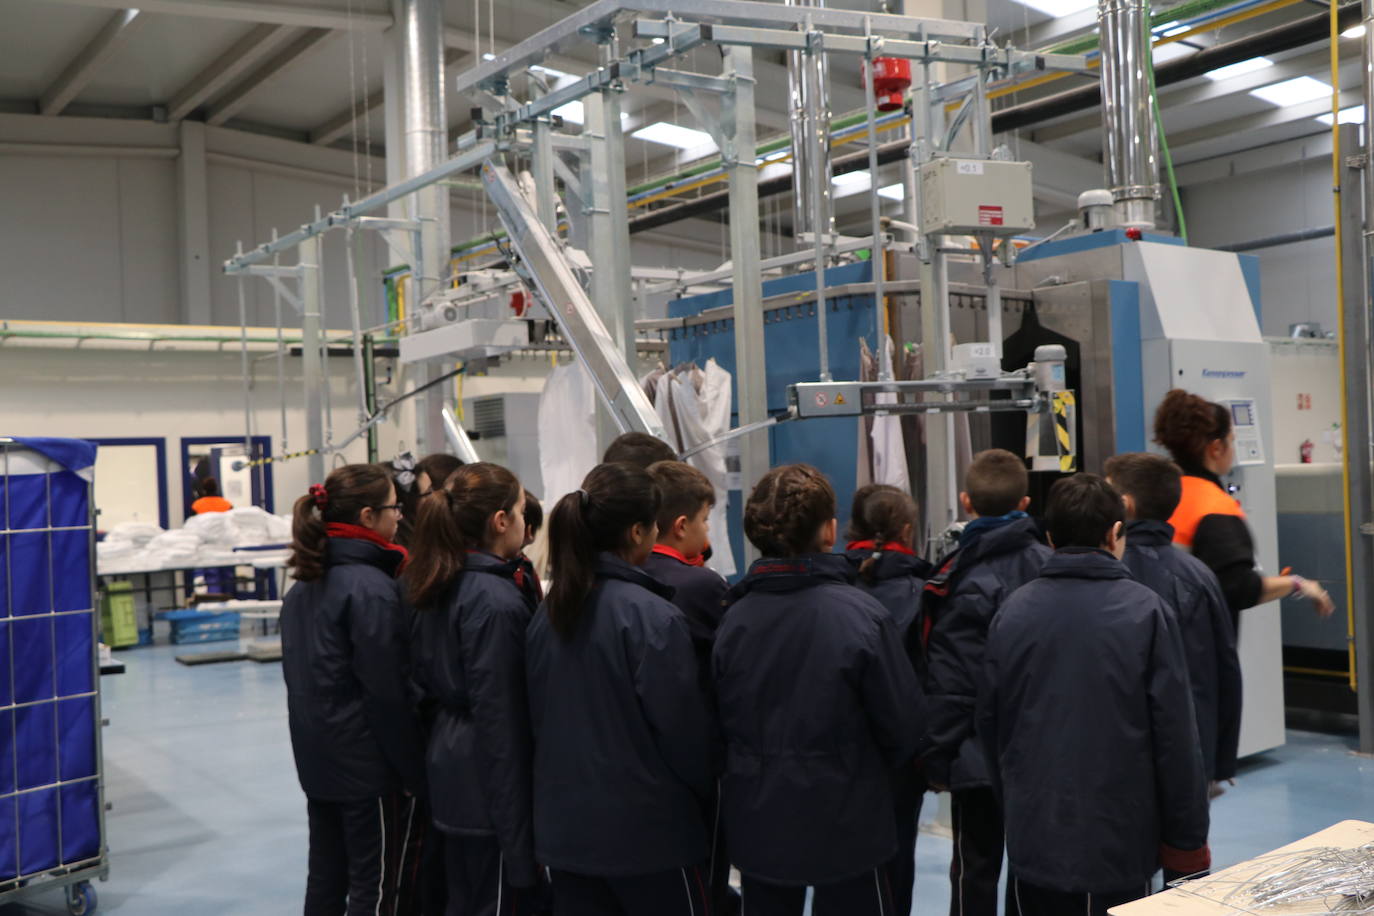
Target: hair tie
x=585, y=498
x=321, y=495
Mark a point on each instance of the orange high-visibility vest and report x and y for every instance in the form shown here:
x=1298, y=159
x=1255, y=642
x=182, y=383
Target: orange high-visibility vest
x=1201, y=498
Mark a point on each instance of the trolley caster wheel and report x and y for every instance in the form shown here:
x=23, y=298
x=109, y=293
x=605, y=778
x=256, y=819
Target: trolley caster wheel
x=81, y=899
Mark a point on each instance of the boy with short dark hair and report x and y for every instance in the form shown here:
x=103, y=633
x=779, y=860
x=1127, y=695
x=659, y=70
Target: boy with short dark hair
x=683, y=534
x=699, y=592
x=638, y=449
x=1151, y=487
x=1087, y=719
x=999, y=550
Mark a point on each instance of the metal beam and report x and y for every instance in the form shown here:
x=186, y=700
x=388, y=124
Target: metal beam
x=574, y=29
x=237, y=97
x=229, y=66
x=1059, y=176
x=325, y=17
x=341, y=125
x=81, y=68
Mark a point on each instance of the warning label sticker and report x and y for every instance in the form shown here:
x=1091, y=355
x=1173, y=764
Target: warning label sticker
x=839, y=399
x=989, y=216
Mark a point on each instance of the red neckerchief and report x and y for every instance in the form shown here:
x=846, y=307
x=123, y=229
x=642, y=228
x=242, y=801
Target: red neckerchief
x=359, y=533
x=527, y=579
x=890, y=545
x=665, y=550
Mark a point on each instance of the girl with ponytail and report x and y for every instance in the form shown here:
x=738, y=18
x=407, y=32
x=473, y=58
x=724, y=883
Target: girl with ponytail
x=469, y=659
x=818, y=705
x=623, y=740
x=882, y=526
x=353, y=728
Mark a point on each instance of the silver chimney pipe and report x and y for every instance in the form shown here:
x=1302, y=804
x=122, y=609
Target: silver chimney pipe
x=811, y=211
x=1130, y=139
x=420, y=43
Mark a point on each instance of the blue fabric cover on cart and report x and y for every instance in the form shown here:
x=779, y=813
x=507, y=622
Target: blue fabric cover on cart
x=48, y=722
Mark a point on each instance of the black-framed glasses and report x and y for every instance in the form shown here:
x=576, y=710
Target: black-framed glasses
x=398, y=507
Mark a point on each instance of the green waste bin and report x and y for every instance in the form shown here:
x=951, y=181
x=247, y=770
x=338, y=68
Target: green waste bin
x=118, y=620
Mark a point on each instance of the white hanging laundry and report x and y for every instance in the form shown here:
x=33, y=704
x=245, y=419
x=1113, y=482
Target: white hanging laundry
x=889, y=444
x=567, y=432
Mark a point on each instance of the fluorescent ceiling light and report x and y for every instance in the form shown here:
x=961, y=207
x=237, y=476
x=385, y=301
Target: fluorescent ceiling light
x=850, y=183
x=1293, y=92
x=674, y=135
x=1355, y=31
x=489, y=56
x=1239, y=69
x=892, y=192
x=1170, y=29
x=1353, y=115
x=1060, y=8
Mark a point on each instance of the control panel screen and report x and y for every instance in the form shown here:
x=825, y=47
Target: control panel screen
x=1242, y=413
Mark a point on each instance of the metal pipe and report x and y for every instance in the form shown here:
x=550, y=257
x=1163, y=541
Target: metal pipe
x=355, y=315
x=1281, y=38
x=421, y=25
x=243, y=358
x=810, y=123
x=458, y=438
x=877, y=257
x=1129, y=137
x=819, y=175
x=311, y=368
x=1285, y=238
x=281, y=356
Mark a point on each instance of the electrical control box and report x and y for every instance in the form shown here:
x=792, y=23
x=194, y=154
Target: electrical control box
x=967, y=196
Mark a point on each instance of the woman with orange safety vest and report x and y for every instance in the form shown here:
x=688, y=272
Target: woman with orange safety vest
x=1209, y=521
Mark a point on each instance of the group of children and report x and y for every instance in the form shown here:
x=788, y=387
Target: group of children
x=615, y=745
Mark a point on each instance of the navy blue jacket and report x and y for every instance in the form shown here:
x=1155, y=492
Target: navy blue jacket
x=897, y=582
x=698, y=592
x=818, y=705
x=469, y=657
x=624, y=744
x=1209, y=637
x=958, y=604
x=344, y=656
x=1088, y=717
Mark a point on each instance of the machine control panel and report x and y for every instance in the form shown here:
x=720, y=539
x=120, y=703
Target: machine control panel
x=1245, y=422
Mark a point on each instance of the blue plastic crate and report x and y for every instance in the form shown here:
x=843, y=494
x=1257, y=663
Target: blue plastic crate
x=203, y=626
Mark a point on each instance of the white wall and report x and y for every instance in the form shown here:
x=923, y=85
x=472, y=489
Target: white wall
x=1297, y=281
x=49, y=391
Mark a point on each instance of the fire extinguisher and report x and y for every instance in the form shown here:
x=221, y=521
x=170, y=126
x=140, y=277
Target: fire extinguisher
x=891, y=80
x=1305, y=450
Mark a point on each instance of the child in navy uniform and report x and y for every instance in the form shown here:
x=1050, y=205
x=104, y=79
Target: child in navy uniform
x=639, y=449
x=624, y=742
x=999, y=550
x=882, y=527
x=1151, y=486
x=354, y=732
x=818, y=705
x=1088, y=721
x=469, y=656
x=683, y=534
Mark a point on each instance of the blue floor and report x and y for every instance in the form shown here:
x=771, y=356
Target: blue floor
x=208, y=818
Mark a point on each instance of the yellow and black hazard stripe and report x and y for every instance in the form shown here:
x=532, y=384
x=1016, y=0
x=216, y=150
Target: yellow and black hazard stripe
x=1063, y=401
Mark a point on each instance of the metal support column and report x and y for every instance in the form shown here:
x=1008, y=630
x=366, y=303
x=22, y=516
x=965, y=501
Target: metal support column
x=603, y=182
x=312, y=368
x=1355, y=352
x=421, y=45
x=748, y=278
x=541, y=165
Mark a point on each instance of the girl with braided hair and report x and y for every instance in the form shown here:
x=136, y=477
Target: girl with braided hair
x=353, y=727
x=818, y=705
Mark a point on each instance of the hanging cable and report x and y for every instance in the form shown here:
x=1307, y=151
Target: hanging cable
x=281, y=355
x=243, y=354
x=1163, y=139
x=355, y=315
